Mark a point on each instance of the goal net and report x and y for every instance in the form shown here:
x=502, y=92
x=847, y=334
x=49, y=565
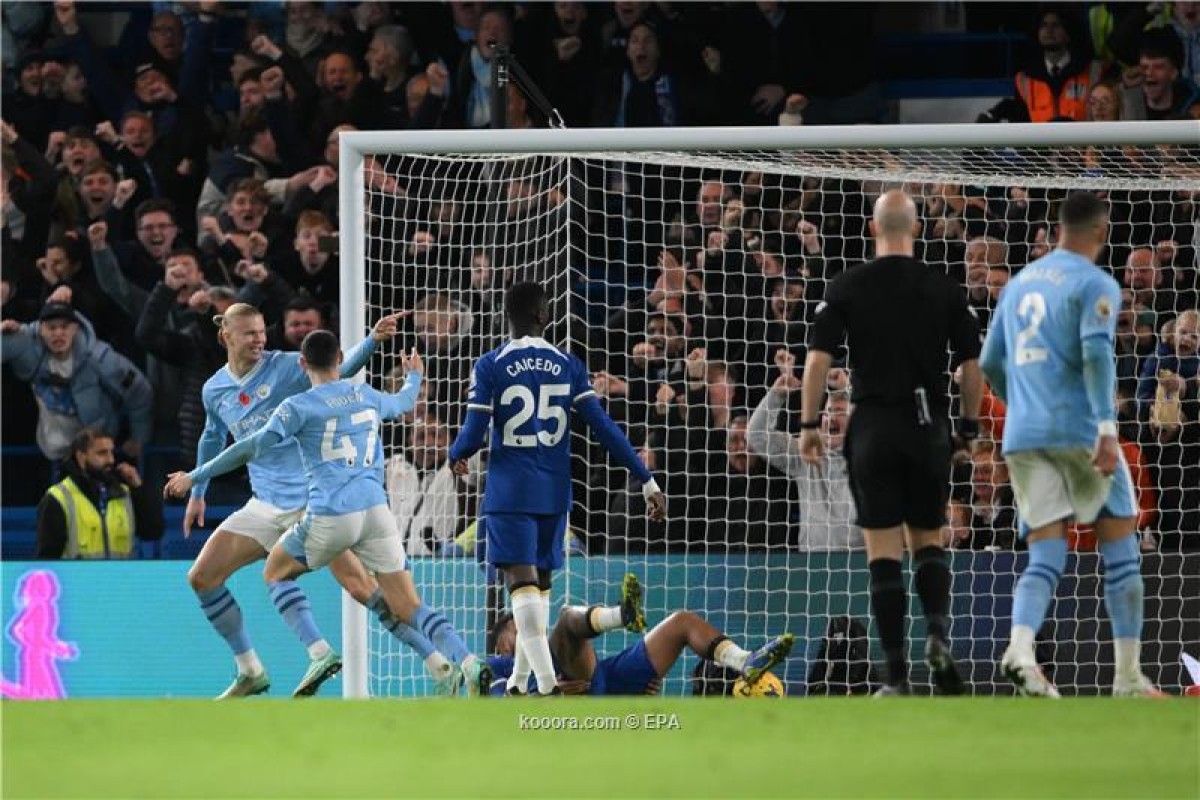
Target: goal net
x=684, y=268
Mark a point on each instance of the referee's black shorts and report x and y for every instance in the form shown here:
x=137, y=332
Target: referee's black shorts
x=899, y=470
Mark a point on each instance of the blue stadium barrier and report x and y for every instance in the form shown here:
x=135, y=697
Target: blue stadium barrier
x=19, y=540
x=137, y=631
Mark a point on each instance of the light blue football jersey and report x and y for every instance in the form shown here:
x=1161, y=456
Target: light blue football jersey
x=529, y=387
x=336, y=426
x=1045, y=314
x=241, y=406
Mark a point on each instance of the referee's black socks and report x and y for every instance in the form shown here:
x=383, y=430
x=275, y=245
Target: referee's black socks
x=888, y=601
x=933, y=587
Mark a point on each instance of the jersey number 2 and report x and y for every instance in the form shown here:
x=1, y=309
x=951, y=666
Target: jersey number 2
x=1032, y=310
x=345, y=450
x=545, y=409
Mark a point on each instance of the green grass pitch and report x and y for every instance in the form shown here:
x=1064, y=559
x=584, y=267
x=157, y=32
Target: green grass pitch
x=858, y=747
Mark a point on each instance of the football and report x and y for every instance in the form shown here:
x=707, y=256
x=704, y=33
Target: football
x=767, y=686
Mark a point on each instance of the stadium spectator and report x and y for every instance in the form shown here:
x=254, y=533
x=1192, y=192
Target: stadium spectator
x=826, y=503
x=1183, y=25
x=767, y=63
x=185, y=341
x=441, y=326
x=308, y=33
x=99, y=508
x=307, y=268
x=423, y=493
x=1172, y=374
x=301, y=316
x=65, y=264
x=992, y=522
x=1144, y=276
x=389, y=67
x=26, y=108
x=78, y=380
x=254, y=156
x=646, y=92
x=985, y=256
x=567, y=60
x=29, y=186
x=1055, y=85
x=471, y=97
x=1170, y=442
x=74, y=104
x=1156, y=89
x=247, y=229
x=1104, y=102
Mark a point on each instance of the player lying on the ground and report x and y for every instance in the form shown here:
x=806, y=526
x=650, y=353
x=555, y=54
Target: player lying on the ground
x=526, y=390
x=639, y=668
x=336, y=424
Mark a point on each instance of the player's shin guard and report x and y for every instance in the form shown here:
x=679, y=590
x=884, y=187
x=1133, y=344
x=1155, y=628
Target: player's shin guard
x=1123, y=596
x=888, y=602
x=438, y=630
x=933, y=587
x=225, y=615
x=1035, y=590
x=293, y=605
x=531, y=634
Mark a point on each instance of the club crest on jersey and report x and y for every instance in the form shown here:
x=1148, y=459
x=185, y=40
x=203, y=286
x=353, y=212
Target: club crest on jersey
x=263, y=391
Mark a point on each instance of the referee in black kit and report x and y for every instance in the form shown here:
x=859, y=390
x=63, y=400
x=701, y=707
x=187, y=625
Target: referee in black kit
x=899, y=316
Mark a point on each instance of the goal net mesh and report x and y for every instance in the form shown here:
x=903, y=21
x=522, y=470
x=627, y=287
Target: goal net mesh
x=680, y=279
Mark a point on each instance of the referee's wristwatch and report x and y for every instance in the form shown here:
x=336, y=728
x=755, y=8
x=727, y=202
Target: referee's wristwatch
x=967, y=430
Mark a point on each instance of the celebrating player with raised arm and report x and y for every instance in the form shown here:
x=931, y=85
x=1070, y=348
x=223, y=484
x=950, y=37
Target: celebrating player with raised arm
x=639, y=668
x=238, y=399
x=335, y=425
x=526, y=388
x=1050, y=356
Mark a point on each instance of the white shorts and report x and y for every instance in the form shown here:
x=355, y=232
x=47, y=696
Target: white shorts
x=371, y=535
x=262, y=522
x=1053, y=485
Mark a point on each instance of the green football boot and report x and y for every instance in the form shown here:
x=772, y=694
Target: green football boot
x=246, y=686
x=319, y=670
x=633, y=616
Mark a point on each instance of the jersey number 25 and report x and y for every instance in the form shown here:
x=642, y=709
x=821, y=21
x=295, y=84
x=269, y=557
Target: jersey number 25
x=545, y=409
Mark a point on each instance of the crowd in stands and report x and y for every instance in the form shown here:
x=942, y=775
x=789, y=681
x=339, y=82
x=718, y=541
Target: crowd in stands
x=145, y=190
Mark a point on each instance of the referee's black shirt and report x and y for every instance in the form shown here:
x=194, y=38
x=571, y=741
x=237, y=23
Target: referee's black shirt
x=899, y=316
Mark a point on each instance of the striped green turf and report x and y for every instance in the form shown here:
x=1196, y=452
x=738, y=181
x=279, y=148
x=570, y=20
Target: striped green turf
x=916, y=747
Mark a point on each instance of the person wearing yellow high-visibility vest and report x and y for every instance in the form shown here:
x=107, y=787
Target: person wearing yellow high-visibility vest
x=98, y=509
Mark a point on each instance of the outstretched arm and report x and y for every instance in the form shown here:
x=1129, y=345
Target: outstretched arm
x=361, y=353
x=231, y=458
x=611, y=437
x=470, y=438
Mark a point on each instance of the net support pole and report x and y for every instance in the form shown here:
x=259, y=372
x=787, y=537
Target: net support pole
x=351, y=255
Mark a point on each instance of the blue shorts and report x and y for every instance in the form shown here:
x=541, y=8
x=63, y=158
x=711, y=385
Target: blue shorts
x=535, y=539
x=628, y=672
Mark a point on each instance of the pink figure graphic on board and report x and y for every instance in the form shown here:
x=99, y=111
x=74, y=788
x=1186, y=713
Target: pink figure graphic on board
x=34, y=632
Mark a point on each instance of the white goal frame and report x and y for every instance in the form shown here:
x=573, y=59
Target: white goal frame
x=354, y=147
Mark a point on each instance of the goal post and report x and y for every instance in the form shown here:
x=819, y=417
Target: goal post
x=616, y=223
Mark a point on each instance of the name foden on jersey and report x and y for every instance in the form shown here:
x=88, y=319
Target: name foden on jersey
x=343, y=400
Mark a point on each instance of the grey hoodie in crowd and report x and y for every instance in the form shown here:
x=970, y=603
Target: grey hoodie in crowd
x=826, y=504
